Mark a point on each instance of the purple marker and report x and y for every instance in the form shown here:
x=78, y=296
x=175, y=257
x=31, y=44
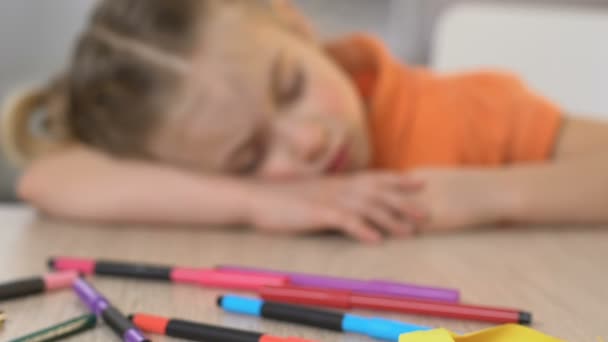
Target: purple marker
x=99, y=305
x=375, y=287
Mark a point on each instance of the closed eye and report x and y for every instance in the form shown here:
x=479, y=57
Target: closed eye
x=288, y=82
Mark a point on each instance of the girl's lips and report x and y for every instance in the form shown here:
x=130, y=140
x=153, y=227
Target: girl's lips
x=340, y=161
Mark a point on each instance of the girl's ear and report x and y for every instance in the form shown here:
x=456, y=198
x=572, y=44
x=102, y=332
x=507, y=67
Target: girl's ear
x=294, y=19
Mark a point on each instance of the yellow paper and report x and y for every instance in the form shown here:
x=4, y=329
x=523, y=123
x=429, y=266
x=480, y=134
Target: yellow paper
x=505, y=333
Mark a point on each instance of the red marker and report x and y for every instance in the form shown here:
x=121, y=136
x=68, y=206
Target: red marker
x=200, y=276
x=202, y=332
x=347, y=300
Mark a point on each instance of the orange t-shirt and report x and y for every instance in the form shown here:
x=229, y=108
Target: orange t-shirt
x=420, y=119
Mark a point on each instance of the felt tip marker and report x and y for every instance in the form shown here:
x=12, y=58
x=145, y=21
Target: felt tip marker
x=202, y=332
x=200, y=276
x=100, y=306
x=35, y=285
x=380, y=328
x=62, y=330
x=348, y=300
x=378, y=287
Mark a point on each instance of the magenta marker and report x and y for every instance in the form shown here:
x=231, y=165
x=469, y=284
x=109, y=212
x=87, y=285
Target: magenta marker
x=100, y=306
x=35, y=285
x=375, y=287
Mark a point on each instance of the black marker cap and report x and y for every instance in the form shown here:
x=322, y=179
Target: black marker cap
x=51, y=263
x=525, y=318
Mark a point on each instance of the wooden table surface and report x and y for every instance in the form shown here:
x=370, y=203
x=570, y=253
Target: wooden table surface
x=561, y=276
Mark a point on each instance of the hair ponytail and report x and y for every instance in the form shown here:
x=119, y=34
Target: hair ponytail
x=33, y=123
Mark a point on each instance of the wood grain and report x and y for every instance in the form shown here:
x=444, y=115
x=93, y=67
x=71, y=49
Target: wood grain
x=558, y=274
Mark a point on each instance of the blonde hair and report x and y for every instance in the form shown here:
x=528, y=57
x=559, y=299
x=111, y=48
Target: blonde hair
x=20, y=142
x=122, y=76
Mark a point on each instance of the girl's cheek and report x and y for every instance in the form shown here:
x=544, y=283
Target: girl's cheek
x=332, y=98
x=329, y=100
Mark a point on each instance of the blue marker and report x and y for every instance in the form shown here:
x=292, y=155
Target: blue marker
x=379, y=328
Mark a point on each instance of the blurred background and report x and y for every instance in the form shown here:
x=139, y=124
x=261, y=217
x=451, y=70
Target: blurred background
x=558, y=46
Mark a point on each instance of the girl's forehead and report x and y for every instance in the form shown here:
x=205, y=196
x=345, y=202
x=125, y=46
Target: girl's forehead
x=216, y=111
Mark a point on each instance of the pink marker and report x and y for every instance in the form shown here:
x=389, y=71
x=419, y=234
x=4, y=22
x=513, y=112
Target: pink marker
x=83, y=266
x=35, y=285
x=225, y=280
x=200, y=276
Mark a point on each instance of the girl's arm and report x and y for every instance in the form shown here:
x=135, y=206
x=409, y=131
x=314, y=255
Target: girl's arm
x=570, y=189
x=83, y=184
x=86, y=185
x=573, y=188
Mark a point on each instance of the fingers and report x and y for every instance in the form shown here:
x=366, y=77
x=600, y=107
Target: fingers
x=364, y=206
x=403, y=205
x=387, y=201
x=387, y=221
x=351, y=225
x=380, y=215
x=360, y=230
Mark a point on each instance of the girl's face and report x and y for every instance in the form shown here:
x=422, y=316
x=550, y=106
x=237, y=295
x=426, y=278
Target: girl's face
x=262, y=98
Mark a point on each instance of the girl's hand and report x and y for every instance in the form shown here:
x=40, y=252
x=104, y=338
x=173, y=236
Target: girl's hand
x=458, y=199
x=362, y=206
